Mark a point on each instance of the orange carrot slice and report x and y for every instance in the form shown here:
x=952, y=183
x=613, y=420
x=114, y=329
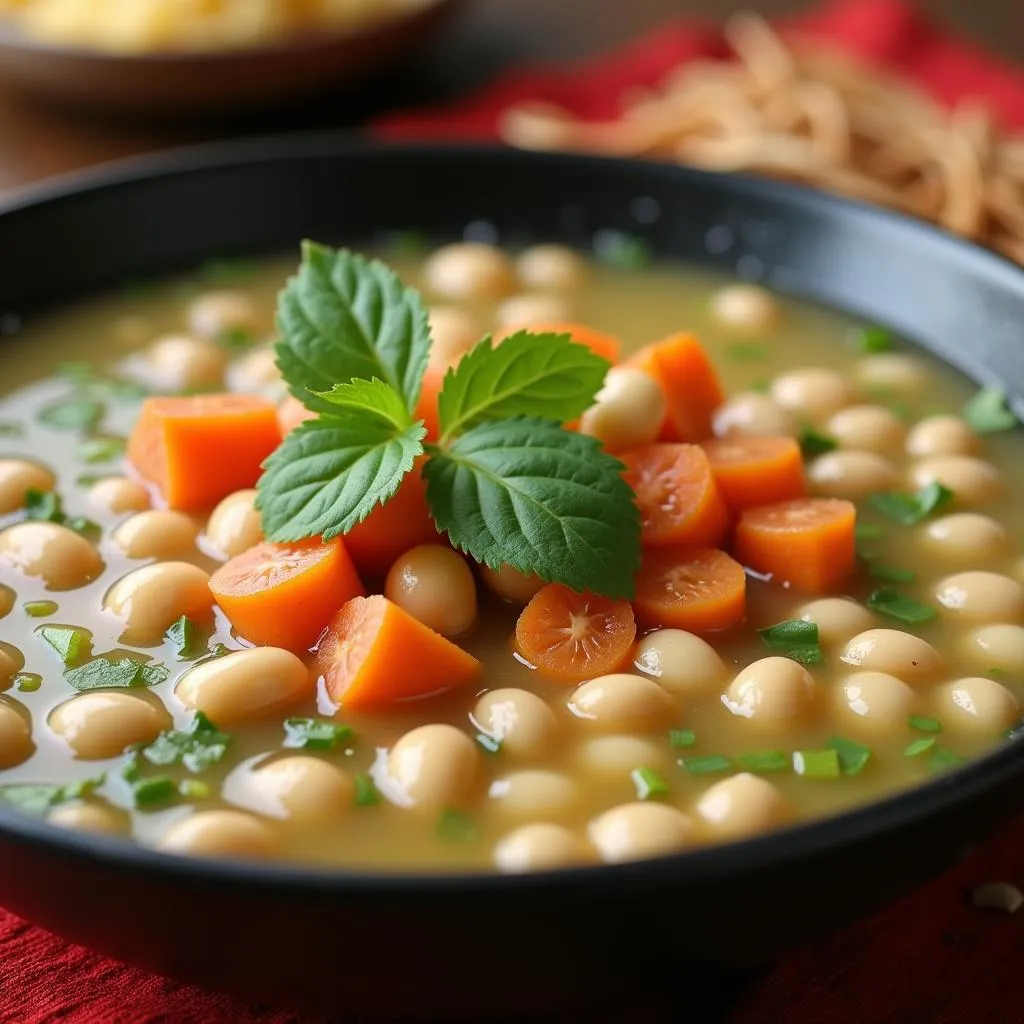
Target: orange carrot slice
x=697, y=589
x=757, y=470
x=808, y=543
x=198, y=449
x=283, y=595
x=677, y=495
x=291, y=412
x=571, y=637
x=393, y=528
x=426, y=408
x=604, y=345
x=692, y=390
x=374, y=653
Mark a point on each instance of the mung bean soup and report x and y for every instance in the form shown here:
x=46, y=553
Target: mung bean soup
x=669, y=561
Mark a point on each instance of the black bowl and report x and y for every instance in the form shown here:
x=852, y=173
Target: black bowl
x=480, y=944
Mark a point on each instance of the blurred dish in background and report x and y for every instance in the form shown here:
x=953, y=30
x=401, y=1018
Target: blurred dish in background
x=812, y=115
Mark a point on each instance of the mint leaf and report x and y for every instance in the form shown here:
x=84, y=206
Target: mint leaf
x=373, y=396
x=106, y=673
x=544, y=375
x=70, y=642
x=330, y=473
x=344, y=317
x=545, y=500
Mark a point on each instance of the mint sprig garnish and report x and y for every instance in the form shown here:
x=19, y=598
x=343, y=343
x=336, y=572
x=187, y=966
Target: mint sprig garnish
x=505, y=481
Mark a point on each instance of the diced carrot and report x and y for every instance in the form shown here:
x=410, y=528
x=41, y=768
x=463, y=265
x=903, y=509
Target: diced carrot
x=677, y=495
x=571, y=637
x=692, y=390
x=283, y=595
x=426, y=408
x=291, y=412
x=604, y=345
x=754, y=471
x=393, y=528
x=697, y=589
x=198, y=449
x=374, y=653
x=808, y=543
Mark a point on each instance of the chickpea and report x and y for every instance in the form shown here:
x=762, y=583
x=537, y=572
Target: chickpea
x=981, y=597
x=432, y=767
x=813, y=393
x=119, y=494
x=1000, y=645
x=7, y=599
x=851, y=474
x=157, y=533
x=964, y=538
x=869, y=428
x=740, y=806
x=18, y=476
x=96, y=818
x=245, y=685
x=892, y=373
x=551, y=268
x=894, y=652
x=181, y=363
x=837, y=618
x=150, y=599
x=12, y=661
x=640, y=830
x=435, y=585
x=751, y=414
x=874, y=703
x=520, y=721
x=539, y=847
x=772, y=690
x=628, y=410
x=303, y=790
x=941, y=435
x=976, y=706
x=744, y=308
x=212, y=314
x=15, y=734
x=220, y=834
x=522, y=311
x=469, y=271
x=256, y=372
x=511, y=584
x=60, y=557
x=972, y=481
x=234, y=525
x=621, y=702
x=534, y=793
x=682, y=663
x=614, y=757
x=99, y=724
x=453, y=333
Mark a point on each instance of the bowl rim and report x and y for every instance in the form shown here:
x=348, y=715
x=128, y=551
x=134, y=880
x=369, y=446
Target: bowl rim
x=906, y=808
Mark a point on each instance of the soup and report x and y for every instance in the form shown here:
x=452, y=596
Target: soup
x=828, y=608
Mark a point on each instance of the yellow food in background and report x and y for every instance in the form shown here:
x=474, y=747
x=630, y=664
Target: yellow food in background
x=138, y=26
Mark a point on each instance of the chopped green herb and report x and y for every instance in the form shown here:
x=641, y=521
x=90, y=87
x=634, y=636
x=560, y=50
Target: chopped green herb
x=764, y=761
x=457, y=826
x=226, y=271
x=649, y=784
x=680, y=738
x=998, y=673
x=895, y=605
x=619, y=249
x=37, y=799
x=218, y=650
x=43, y=507
x=235, y=338
x=709, y=764
x=71, y=643
x=988, y=413
x=867, y=531
x=314, y=733
x=748, y=351
x=187, y=638
x=28, y=682
x=923, y=724
x=105, y=673
x=813, y=442
x=11, y=430
x=853, y=756
x=911, y=509
x=1016, y=730
x=761, y=386
x=873, y=339
x=489, y=743
x=193, y=789
x=39, y=609
x=159, y=789
x=101, y=449
x=920, y=746
x=199, y=748
x=80, y=414
x=943, y=759
x=409, y=242
x=796, y=639
x=891, y=573
x=817, y=764
x=77, y=372
x=127, y=390
x=366, y=791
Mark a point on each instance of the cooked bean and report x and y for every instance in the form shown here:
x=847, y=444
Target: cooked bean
x=535, y=793
x=550, y=268
x=7, y=599
x=976, y=706
x=220, y=834
x=256, y=372
x=997, y=646
x=99, y=724
x=622, y=702
x=469, y=270
x=744, y=308
x=119, y=494
x=813, y=393
x=874, y=704
x=60, y=557
x=181, y=363
x=837, y=618
x=772, y=690
x=941, y=435
x=539, y=847
x=526, y=309
x=432, y=767
x=682, y=662
x=217, y=313
x=628, y=410
x=303, y=790
x=12, y=661
x=150, y=599
x=892, y=651
x=17, y=476
x=15, y=734
x=89, y=817
x=520, y=721
x=751, y=414
x=972, y=481
x=640, y=830
x=614, y=757
x=851, y=474
x=740, y=806
x=981, y=597
x=869, y=428
x=453, y=332
x=234, y=525
x=157, y=533
x=892, y=374
x=434, y=584
x=510, y=584
x=964, y=538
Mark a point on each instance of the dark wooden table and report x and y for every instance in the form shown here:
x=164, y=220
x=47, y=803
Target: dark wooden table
x=489, y=36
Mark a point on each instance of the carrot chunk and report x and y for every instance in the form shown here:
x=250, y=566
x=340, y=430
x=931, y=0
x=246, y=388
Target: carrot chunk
x=291, y=412
x=677, y=495
x=571, y=637
x=198, y=449
x=426, y=408
x=393, y=528
x=604, y=345
x=691, y=386
x=697, y=589
x=808, y=543
x=374, y=653
x=757, y=470
x=283, y=595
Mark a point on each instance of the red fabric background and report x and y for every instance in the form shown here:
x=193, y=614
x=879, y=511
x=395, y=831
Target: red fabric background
x=930, y=959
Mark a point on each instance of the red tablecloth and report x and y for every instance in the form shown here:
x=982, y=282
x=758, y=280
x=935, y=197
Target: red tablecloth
x=930, y=959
